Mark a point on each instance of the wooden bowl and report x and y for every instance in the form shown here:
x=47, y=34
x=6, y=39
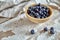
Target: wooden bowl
x=37, y=20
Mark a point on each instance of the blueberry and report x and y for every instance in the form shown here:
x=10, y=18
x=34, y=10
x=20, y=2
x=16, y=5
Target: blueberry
x=44, y=16
x=37, y=15
x=42, y=10
x=28, y=11
x=46, y=8
x=52, y=30
x=42, y=13
x=40, y=7
x=37, y=7
x=45, y=29
x=46, y=11
x=32, y=31
x=31, y=8
x=31, y=14
x=40, y=16
x=47, y=14
x=37, y=10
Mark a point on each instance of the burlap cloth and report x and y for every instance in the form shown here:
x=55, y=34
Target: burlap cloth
x=16, y=26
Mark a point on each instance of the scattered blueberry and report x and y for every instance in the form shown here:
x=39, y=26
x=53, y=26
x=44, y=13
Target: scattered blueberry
x=32, y=31
x=52, y=30
x=45, y=29
x=38, y=11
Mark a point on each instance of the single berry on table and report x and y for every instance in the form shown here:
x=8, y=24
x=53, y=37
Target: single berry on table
x=45, y=29
x=52, y=30
x=32, y=31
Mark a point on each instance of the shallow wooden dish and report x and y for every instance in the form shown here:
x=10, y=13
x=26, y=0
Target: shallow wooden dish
x=37, y=20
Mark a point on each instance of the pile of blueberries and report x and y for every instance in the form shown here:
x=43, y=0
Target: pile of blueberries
x=38, y=11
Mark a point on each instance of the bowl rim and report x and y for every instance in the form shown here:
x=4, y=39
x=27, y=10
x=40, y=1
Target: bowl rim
x=38, y=18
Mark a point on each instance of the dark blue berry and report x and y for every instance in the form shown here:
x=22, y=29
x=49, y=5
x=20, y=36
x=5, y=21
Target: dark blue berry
x=28, y=11
x=46, y=8
x=31, y=14
x=32, y=31
x=37, y=10
x=45, y=29
x=38, y=7
x=51, y=28
x=47, y=11
x=44, y=16
x=47, y=14
x=37, y=15
x=41, y=17
x=42, y=13
x=52, y=32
